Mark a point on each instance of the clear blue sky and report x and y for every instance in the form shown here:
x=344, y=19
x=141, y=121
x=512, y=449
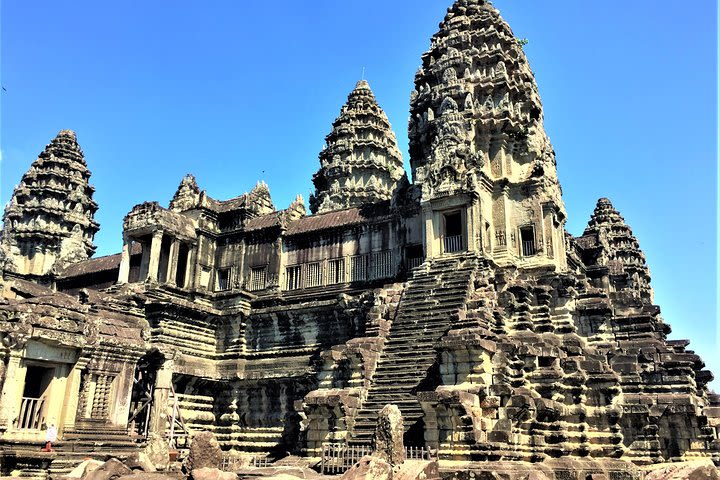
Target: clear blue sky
x=237, y=91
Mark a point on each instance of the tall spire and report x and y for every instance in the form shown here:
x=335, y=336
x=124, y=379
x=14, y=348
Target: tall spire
x=476, y=130
x=49, y=221
x=361, y=162
x=619, y=251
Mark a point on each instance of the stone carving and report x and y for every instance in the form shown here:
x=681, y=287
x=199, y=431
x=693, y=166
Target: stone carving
x=388, y=439
x=204, y=452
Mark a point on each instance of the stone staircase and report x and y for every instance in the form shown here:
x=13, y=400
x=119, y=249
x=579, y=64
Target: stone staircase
x=434, y=294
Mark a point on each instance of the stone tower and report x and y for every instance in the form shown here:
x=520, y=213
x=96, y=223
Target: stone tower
x=619, y=263
x=478, y=148
x=49, y=221
x=360, y=163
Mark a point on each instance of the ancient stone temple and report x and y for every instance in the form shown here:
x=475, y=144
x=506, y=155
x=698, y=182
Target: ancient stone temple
x=507, y=344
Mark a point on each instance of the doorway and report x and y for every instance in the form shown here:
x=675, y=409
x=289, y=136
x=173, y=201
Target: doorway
x=34, y=398
x=453, y=238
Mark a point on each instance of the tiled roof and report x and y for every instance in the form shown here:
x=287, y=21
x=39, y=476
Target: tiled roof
x=263, y=221
x=99, y=264
x=324, y=221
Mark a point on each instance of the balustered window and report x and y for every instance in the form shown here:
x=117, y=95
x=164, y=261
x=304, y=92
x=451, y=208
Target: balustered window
x=358, y=268
x=381, y=264
x=258, y=278
x=292, y=277
x=313, y=275
x=223, y=280
x=527, y=241
x=336, y=271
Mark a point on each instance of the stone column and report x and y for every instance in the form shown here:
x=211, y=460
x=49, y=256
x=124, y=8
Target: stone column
x=508, y=227
x=173, y=262
x=11, y=391
x=428, y=231
x=155, y=248
x=72, y=393
x=161, y=395
x=124, y=275
x=190, y=267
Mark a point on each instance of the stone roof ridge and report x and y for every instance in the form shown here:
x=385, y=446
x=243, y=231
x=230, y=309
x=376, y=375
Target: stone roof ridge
x=259, y=200
x=187, y=195
x=360, y=162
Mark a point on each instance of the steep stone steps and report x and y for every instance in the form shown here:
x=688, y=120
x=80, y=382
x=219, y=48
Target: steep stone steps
x=431, y=300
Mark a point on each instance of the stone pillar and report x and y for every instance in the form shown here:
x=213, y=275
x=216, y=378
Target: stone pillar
x=428, y=231
x=144, y=262
x=161, y=395
x=510, y=246
x=11, y=391
x=190, y=267
x=155, y=248
x=124, y=275
x=72, y=393
x=173, y=262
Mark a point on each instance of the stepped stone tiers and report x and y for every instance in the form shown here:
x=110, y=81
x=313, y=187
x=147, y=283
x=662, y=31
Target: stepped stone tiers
x=506, y=344
x=49, y=221
x=361, y=163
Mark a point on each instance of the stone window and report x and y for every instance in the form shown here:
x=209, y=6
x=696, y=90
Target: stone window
x=453, y=238
x=413, y=256
x=381, y=264
x=313, y=275
x=527, y=240
x=258, y=278
x=358, y=268
x=223, y=280
x=336, y=272
x=292, y=277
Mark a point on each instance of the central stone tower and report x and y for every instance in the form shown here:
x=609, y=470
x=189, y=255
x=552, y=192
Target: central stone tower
x=478, y=148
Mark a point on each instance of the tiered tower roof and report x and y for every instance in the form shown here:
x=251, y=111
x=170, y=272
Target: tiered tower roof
x=475, y=95
x=619, y=250
x=361, y=162
x=50, y=217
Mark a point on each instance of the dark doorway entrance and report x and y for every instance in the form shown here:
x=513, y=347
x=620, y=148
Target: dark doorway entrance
x=34, y=399
x=453, y=238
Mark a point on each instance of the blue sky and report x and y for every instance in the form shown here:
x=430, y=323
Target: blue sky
x=235, y=92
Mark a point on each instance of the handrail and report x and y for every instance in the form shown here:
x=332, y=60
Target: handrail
x=31, y=413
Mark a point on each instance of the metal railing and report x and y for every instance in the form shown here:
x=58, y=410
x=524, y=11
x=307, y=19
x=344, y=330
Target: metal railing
x=420, y=453
x=528, y=248
x=339, y=457
x=453, y=244
x=233, y=463
x=31, y=415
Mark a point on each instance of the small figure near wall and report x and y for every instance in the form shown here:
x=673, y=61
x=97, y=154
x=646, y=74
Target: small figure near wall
x=50, y=437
